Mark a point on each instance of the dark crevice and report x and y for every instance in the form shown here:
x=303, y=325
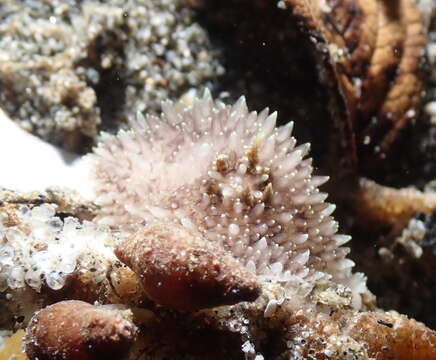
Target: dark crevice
x=107, y=56
x=270, y=61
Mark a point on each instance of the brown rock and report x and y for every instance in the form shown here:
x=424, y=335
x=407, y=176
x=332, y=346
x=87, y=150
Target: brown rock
x=374, y=335
x=393, y=336
x=387, y=207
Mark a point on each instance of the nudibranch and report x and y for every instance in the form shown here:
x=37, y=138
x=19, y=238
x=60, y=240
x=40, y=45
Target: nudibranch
x=230, y=179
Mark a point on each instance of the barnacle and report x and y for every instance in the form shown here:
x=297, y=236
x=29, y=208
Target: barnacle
x=235, y=179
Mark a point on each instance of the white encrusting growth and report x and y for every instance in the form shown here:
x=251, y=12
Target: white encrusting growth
x=239, y=180
x=44, y=250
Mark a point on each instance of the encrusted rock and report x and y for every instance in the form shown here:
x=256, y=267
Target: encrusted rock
x=69, y=68
x=392, y=336
x=67, y=201
x=44, y=258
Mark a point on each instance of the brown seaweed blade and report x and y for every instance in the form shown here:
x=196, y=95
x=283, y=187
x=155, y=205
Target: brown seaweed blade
x=374, y=51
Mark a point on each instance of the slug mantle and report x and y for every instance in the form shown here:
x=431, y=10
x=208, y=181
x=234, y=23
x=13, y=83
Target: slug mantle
x=234, y=179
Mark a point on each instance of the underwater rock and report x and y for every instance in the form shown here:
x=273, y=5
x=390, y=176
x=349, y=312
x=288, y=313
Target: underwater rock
x=47, y=256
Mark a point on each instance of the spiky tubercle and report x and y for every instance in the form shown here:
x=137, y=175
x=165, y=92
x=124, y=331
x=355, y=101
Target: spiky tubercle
x=234, y=177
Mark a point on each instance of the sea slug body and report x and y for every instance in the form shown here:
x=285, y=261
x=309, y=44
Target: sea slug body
x=235, y=179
